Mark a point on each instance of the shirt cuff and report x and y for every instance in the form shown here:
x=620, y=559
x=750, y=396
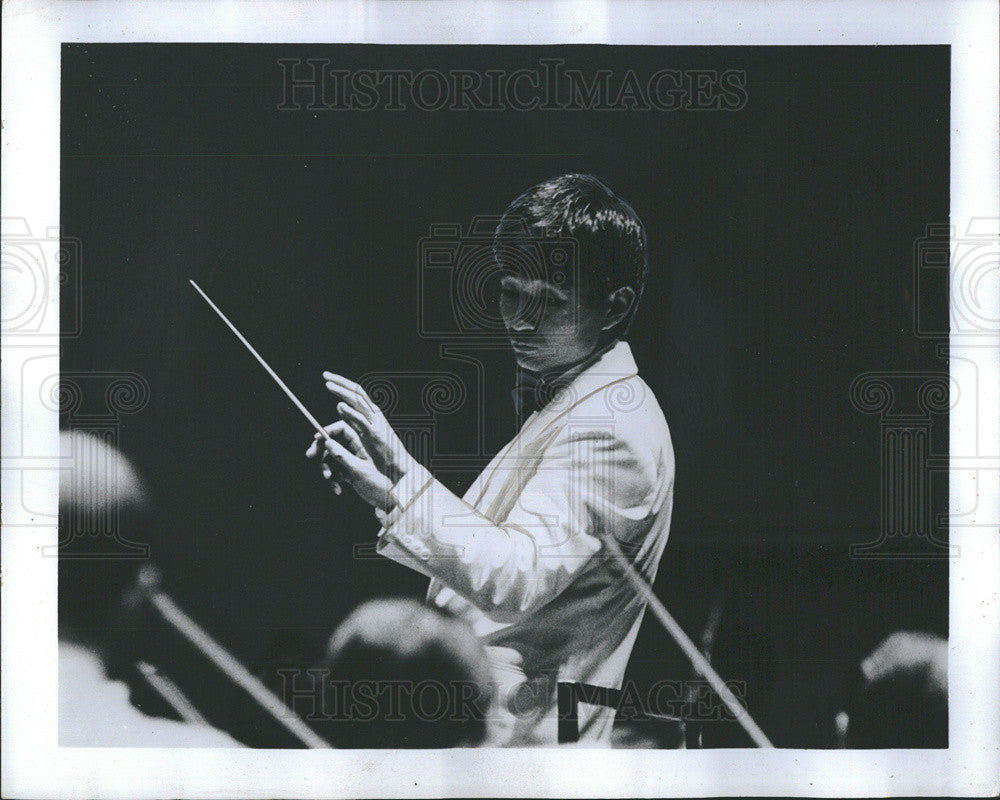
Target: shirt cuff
x=409, y=486
x=403, y=493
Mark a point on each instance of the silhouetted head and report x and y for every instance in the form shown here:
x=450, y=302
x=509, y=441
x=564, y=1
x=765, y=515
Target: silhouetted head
x=402, y=675
x=903, y=699
x=101, y=501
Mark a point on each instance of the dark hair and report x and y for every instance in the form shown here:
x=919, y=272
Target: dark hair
x=610, y=238
x=384, y=658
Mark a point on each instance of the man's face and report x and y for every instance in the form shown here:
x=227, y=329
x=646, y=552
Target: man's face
x=550, y=325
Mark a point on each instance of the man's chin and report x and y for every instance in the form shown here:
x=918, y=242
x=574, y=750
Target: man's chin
x=541, y=363
x=529, y=361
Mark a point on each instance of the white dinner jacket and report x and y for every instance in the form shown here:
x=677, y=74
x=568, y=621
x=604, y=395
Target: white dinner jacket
x=523, y=557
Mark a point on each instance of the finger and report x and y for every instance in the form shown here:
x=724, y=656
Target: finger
x=341, y=431
x=326, y=467
x=354, y=441
x=328, y=475
x=346, y=435
x=347, y=396
x=360, y=425
x=344, y=458
x=347, y=383
x=350, y=392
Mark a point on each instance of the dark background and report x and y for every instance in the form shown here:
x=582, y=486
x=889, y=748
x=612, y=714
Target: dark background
x=781, y=266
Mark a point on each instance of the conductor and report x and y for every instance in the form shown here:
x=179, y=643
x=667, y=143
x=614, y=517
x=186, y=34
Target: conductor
x=530, y=557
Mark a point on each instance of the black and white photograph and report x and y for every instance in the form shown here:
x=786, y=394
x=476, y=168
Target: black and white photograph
x=514, y=409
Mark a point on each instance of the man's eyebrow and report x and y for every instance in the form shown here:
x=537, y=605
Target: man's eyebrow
x=535, y=284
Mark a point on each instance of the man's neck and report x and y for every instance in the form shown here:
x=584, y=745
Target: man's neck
x=576, y=367
x=534, y=390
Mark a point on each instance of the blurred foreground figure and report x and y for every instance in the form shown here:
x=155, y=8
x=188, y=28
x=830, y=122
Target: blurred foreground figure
x=654, y=734
x=94, y=703
x=903, y=701
x=401, y=675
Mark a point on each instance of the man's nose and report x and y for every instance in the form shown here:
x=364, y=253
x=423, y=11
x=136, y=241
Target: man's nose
x=527, y=314
x=522, y=324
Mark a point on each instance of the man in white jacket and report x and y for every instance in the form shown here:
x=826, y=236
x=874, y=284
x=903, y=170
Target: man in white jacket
x=532, y=556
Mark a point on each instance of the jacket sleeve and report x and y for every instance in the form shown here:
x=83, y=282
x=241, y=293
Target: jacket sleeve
x=588, y=483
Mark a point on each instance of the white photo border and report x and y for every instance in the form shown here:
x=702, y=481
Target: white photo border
x=33, y=765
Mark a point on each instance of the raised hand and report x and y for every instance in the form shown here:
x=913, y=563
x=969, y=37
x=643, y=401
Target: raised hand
x=343, y=458
x=373, y=430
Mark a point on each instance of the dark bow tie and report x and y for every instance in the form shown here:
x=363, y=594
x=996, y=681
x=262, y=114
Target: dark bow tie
x=526, y=394
x=532, y=392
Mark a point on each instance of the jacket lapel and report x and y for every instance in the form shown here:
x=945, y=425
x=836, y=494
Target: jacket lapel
x=488, y=495
x=614, y=366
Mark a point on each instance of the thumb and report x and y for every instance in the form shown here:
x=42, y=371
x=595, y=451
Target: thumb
x=343, y=456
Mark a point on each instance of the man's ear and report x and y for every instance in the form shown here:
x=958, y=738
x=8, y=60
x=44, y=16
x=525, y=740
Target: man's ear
x=619, y=303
